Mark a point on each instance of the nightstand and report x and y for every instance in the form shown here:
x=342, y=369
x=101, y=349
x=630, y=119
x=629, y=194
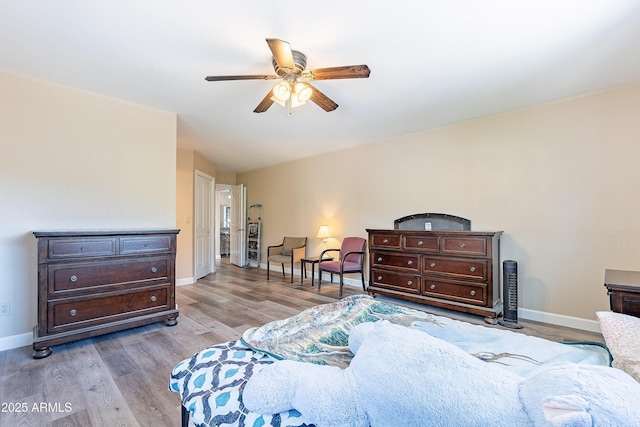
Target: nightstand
x=313, y=261
x=624, y=291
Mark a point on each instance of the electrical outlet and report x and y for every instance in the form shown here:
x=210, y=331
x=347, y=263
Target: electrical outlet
x=5, y=309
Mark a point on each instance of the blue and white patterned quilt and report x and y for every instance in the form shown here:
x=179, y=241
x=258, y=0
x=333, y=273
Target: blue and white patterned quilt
x=211, y=382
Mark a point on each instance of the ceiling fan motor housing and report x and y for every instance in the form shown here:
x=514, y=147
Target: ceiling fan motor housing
x=299, y=60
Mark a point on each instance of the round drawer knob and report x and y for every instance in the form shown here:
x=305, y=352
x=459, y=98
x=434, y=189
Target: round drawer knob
x=146, y=245
x=379, y=277
x=462, y=245
x=385, y=241
x=73, y=278
x=153, y=298
x=433, y=264
x=432, y=286
x=410, y=262
x=473, y=293
x=154, y=269
x=83, y=248
x=420, y=243
x=410, y=282
x=379, y=258
x=73, y=312
x=472, y=269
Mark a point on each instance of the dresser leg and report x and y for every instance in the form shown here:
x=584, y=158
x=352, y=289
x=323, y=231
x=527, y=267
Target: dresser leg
x=172, y=321
x=41, y=353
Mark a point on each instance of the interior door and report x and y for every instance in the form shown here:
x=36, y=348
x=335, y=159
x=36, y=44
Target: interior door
x=238, y=245
x=203, y=225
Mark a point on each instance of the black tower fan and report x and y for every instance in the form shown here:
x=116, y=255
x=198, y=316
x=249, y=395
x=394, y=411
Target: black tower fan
x=510, y=295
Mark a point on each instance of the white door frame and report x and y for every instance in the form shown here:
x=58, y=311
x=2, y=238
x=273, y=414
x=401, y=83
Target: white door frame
x=238, y=255
x=210, y=220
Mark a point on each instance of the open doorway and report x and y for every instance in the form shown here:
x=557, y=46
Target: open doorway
x=223, y=231
x=230, y=224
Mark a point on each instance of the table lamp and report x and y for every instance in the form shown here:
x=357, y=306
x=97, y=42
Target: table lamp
x=324, y=232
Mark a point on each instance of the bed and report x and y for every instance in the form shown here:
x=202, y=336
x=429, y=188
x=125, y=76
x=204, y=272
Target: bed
x=211, y=382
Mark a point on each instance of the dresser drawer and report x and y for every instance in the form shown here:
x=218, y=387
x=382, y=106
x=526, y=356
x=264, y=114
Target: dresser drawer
x=90, y=277
x=464, y=245
x=422, y=243
x=86, y=311
x=396, y=260
x=456, y=267
x=393, y=280
x=391, y=241
x=455, y=291
x=144, y=244
x=81, y=247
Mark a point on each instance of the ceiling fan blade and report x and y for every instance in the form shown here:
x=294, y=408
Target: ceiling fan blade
x=321, y=99
x=247, y=77
x=333, y=73
x=282, y=53
x=264, y=104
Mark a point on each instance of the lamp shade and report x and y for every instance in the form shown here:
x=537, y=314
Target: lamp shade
x=282, y=91
x=303, y=92
x=324, y=232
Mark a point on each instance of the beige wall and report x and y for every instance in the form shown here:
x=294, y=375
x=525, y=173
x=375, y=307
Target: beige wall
x=561, y=180
x=73, y=160
x=184, y=215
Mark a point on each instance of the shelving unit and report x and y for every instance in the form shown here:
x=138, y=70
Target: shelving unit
x=254, y=236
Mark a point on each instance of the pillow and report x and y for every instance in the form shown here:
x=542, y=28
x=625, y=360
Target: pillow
x=621, y=332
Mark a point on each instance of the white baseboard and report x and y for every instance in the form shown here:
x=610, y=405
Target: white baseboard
x=15, y=341
x=560, y=320
x=187, y=281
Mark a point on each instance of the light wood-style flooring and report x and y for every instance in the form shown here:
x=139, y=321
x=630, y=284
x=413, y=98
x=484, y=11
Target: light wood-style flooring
x=121, y=379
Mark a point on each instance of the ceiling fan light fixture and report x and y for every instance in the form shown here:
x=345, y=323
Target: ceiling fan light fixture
x=302, y=92
x=279, y=101
x=282, y=91
x=296, y=102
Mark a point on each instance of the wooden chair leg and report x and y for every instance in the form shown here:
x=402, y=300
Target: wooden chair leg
x=291, y=271
x=267, y=269
x=362, y=274
x=282, y=270
x=341, y=281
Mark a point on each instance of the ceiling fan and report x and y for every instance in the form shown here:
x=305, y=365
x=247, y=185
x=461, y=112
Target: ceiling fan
x=294, y=88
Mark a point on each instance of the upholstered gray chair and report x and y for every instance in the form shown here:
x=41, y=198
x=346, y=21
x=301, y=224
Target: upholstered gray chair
x=290, y=251
x=350, y=260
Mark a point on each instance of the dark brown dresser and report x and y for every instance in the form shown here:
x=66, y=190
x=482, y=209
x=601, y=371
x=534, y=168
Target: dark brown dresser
x=624, y=291
x=457, y=270
x=95, y=282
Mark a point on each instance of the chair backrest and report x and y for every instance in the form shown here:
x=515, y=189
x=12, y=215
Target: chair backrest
x=292, y=242
x=353, y=244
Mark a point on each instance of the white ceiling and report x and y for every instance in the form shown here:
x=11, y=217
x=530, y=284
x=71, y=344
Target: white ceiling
x=432, y=62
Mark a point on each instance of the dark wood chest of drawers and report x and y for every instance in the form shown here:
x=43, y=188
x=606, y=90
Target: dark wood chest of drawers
x=457, y=270
x=624, y=291
x=95, y=282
